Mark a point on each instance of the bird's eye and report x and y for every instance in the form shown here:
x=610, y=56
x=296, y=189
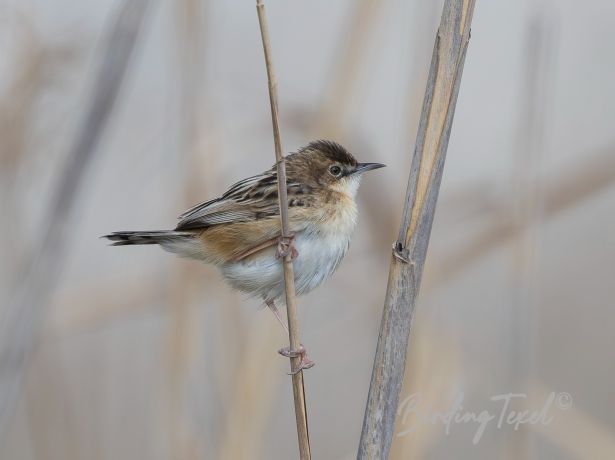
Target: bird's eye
x=335, y=170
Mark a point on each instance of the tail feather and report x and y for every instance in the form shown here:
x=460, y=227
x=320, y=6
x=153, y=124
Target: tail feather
x=147, y=237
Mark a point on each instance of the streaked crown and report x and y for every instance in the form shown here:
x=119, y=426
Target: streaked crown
x=325, y=163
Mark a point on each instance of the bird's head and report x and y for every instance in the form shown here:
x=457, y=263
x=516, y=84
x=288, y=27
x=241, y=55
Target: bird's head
x=327, y=164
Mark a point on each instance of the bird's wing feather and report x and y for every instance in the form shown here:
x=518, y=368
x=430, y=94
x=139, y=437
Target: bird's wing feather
x=237, y=188
x=250, y=199
x=249, y=212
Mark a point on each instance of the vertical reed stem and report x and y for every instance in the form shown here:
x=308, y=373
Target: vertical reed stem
x=289, y=278
x=410, y=249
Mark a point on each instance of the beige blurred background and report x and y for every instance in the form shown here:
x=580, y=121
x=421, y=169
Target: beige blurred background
x=137, y=354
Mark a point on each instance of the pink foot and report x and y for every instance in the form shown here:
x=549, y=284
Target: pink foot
x=286, y=246
x=301, y=352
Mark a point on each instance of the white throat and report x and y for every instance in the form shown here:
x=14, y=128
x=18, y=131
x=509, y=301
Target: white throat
x=351, y=184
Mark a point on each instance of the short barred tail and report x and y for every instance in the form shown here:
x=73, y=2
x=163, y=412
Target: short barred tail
x=152, y=237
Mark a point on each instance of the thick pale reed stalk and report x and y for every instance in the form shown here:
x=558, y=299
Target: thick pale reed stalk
x=289, y=278
x=410, y=249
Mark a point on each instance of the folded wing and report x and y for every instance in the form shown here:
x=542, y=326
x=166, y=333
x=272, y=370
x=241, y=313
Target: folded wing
x=249, y=212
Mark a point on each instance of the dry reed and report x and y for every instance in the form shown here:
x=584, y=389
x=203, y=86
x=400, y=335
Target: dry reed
x=287, y=261
x=410, y=249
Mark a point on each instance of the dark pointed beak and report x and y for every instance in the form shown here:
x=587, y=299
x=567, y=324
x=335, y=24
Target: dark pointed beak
x=364, y=167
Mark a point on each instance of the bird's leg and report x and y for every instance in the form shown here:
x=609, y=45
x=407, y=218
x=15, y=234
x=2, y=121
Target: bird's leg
x=286, y=246
x=301, y=352
x=271, y=305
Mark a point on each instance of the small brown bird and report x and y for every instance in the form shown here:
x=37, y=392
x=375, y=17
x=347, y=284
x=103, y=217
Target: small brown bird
x=239, y=232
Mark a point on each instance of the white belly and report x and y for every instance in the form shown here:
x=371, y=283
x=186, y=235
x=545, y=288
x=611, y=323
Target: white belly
x=319, y=256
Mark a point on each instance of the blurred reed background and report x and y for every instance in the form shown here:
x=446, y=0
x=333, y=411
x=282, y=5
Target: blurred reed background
x=135, y=354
